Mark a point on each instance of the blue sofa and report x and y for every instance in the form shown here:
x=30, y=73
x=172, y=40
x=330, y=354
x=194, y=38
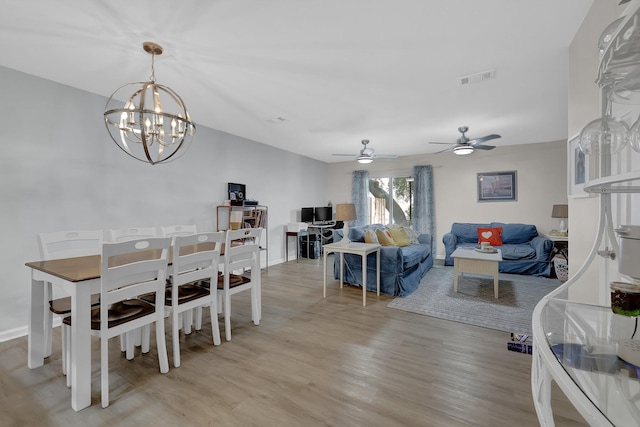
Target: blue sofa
x=523, y=250
x=401, y=268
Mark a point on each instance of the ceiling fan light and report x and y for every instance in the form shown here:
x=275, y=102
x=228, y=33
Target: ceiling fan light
x=461, y=151
x=365, y=159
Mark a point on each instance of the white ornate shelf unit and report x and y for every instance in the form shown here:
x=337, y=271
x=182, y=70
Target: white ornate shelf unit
x=575, y=344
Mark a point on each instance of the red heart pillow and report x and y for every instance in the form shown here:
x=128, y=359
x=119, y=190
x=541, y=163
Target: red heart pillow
x=491, y=235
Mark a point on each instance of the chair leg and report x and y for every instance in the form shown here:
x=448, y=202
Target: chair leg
x=162, y=346
x=255, y=314
x=48, y=320
x=187, y=321
x=146, y=337
x=130, y=339
x=215, y=326
x=104, y=368
x=175, y=338
x=220, y=304
x=227, y=316
x=65, y=355
x=67, y=361
x=198, y=319
x=138, y=337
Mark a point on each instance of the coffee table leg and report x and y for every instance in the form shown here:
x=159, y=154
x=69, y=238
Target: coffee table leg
x=495, y=282
x=456, y=267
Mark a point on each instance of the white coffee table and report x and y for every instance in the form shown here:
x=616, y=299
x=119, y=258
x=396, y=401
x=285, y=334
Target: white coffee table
x=469, y=260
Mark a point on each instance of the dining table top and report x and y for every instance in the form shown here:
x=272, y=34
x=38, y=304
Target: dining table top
x=88, y=267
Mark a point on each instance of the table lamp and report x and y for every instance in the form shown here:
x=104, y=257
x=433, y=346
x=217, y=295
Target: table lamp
x=562, y=212
x=345, y=212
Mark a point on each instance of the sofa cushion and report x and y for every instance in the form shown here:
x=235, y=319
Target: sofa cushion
x=384, y=238
x=516, y=233
x=518, y=252
x=491, y=235
x=414, y=254
x=356, y=234
x=399, y=236
x=467, y=232
x=370, y=236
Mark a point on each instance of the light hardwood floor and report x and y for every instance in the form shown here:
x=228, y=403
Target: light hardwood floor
x=311, y=361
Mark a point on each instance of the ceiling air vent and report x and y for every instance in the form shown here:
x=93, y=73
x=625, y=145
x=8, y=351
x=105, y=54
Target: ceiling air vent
x=477, y=77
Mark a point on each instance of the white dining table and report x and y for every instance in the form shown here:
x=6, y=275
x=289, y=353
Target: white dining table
x=80, y=278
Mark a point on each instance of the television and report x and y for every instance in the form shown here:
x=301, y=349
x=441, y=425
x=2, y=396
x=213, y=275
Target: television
x=324, y=214
x=306, y=215
x=237, y=193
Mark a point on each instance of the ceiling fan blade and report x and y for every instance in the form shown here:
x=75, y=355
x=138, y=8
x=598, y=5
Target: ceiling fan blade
x=484, y=147
x=434, y=142
x=446, y=149
x=385, y=156
x=345, y=155
x=484, y=139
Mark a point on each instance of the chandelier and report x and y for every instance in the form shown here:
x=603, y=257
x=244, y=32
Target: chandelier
x=151, y=125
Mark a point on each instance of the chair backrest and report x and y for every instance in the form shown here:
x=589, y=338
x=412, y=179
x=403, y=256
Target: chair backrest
x=133, y=268
x=242, y=250
x=177, y=230
x=70, y=244
x=133, y=233
x=195, y=257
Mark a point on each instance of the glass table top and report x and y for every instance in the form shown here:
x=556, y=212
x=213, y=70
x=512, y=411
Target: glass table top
x=584, y=339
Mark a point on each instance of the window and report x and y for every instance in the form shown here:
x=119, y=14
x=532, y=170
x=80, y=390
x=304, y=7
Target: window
x=391, y=200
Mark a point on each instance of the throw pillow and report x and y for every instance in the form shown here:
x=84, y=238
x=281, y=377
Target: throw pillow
x=491, y=235
x=370, y=236
x=384, y=238
x=399, y=236
x=412, y=235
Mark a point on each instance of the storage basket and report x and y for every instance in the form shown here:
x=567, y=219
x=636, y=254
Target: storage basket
x=562, y=268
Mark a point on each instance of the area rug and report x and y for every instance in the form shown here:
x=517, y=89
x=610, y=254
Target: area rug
x=474, y=302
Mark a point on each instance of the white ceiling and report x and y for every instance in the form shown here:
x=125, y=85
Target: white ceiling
x=338, y=71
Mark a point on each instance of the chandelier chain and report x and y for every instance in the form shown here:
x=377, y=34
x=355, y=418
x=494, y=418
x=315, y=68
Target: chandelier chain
x=153, y=69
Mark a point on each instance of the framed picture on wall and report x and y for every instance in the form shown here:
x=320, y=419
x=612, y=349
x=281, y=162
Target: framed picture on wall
x=577, y=170
x=497, y=187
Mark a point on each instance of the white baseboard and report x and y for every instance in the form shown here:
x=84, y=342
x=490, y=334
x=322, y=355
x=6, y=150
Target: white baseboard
x=22, y=331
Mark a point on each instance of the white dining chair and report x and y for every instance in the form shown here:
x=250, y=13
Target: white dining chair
x=114, y=235
x=129, y=269
x=241, y=255
x=177, y=230
x=58, y=245
x=195, y=258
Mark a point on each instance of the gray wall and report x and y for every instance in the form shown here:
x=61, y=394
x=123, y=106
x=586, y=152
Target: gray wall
x=61, y=171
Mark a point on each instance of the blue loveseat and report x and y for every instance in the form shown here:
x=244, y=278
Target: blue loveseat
x=401, y=268
x=523, y=250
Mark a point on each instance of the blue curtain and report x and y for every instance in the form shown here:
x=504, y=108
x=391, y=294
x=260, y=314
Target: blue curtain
x=424, y=220
x=359, y=196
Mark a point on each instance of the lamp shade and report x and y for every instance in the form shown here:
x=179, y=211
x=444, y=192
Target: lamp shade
x=560, y=211
x=346, y=212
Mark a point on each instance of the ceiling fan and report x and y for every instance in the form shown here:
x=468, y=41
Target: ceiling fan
x=465, y=145
x=367, y=155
